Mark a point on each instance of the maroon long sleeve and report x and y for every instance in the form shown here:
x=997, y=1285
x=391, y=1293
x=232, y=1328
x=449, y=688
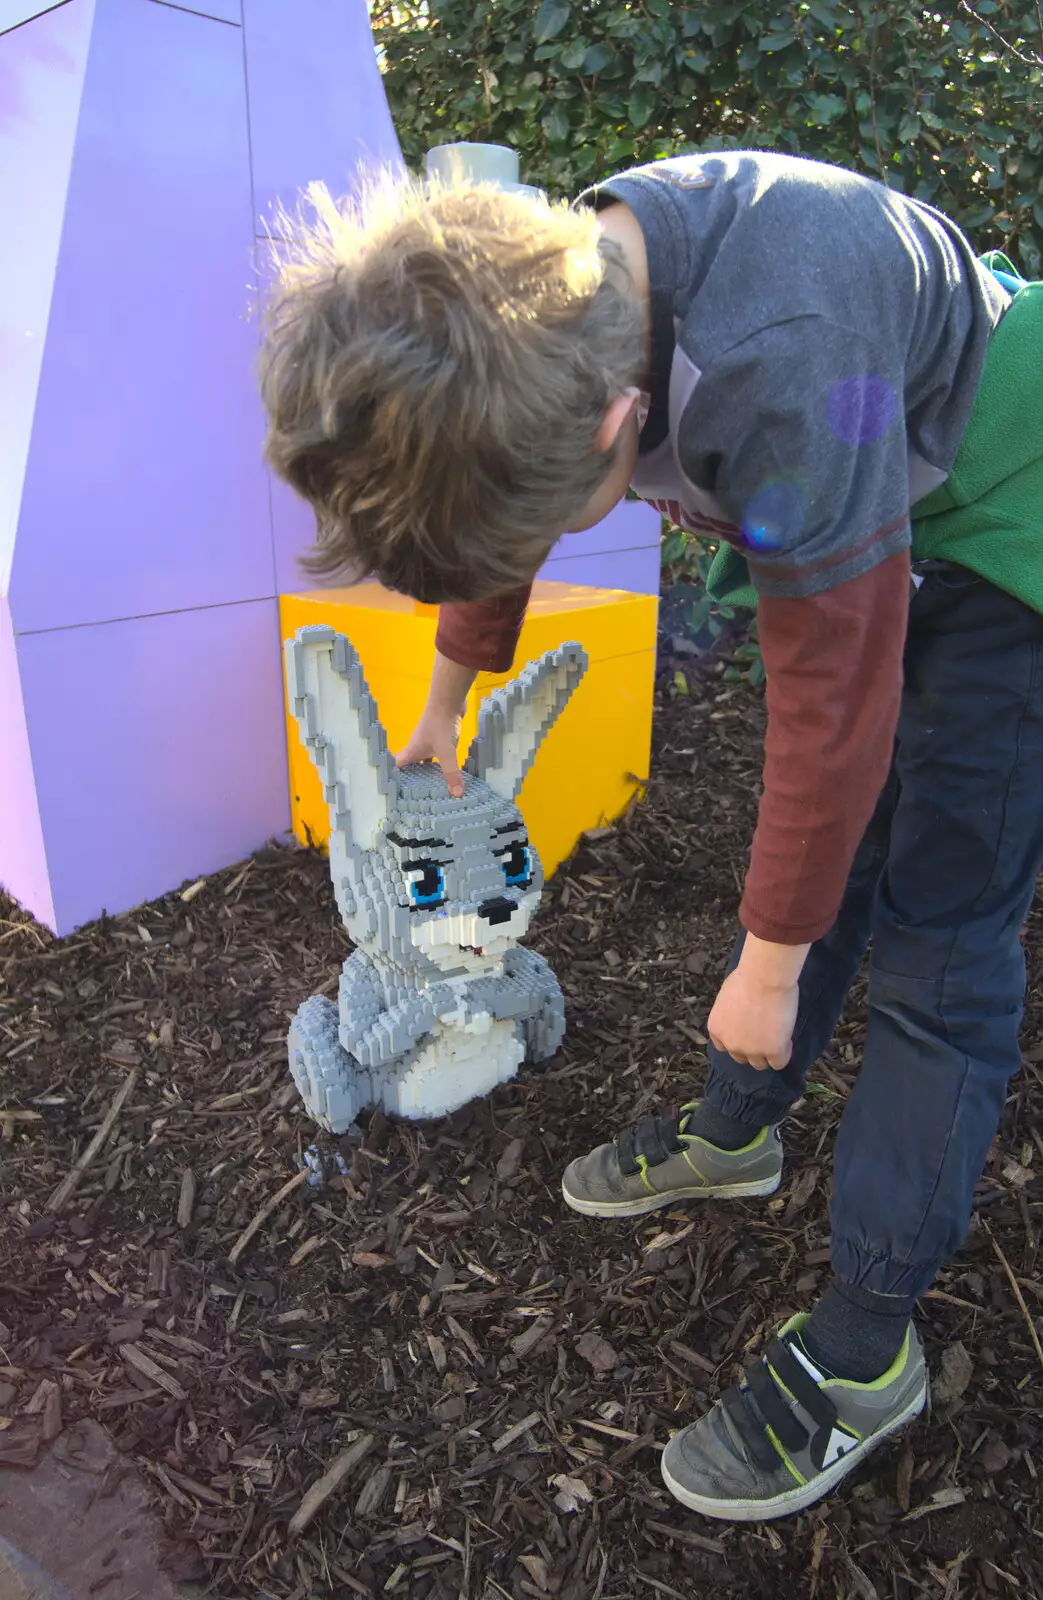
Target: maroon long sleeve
x=483, y=634
x=834, y=683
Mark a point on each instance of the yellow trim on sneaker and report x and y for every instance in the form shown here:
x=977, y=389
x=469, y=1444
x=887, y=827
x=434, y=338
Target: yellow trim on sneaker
x=701, y=1176
x=642, y=1167
x=744, y=1149
x=784, y=1457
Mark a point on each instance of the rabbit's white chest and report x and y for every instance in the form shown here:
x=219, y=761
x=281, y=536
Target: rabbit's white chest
x=456, y=1064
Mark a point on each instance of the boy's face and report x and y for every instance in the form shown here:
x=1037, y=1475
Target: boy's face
x=620, y=431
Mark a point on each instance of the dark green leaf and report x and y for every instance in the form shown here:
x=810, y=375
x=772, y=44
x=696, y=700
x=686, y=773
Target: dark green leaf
x=777, y=40
x=978, y=217
x=550, y=19
x=824, y=109
x=574, y=54
x=673, y=547
x=597, y=58
x=640, y=106
x=618, y=150
x=556, y=124
x=1031, y=255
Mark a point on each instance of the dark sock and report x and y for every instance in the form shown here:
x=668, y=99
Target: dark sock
x=727, y=1133
x=856, y=1333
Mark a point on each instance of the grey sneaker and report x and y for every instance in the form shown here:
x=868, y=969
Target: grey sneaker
x=657, y=1163
x=788, y=1434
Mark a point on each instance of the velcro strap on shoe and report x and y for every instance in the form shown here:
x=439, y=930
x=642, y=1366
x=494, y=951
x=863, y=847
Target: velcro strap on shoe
x=801, y=1384
x=625, y=1152
x=750, y=1430
x=788, y=1429
x=654, y=1139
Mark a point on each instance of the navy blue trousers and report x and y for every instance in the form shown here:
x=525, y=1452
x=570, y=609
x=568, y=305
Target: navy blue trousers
x=939, y=891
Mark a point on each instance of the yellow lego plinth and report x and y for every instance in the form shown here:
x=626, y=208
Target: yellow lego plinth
x=585, y=771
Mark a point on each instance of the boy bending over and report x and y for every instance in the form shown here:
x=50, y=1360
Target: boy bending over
x=819, y=373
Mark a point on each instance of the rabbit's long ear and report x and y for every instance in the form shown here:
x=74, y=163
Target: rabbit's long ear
x=338, y=720
x=513, y=721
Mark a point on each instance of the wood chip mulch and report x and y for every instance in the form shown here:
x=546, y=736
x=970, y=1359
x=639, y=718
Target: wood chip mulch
x=427, y=1378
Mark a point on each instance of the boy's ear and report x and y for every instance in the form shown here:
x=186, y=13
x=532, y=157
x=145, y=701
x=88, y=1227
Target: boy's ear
x=616, y=414
x=513, y=721
x=338, y=721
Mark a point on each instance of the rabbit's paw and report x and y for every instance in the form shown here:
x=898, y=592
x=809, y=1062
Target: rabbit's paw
x=544, y=1031
x=466, y=1018
x=333, y=1088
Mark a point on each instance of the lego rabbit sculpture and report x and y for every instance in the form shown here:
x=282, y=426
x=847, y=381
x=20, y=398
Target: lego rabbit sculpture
x=438, y=1003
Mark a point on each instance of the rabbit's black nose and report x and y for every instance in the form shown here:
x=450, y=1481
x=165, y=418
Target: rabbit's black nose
x=499, y=910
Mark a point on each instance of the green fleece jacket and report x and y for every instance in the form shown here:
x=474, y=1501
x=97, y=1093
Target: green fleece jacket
x=988, y=514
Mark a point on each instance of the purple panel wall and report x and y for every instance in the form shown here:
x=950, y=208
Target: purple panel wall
x=14, y=12
x=629, y=526
x=635, y=570
x=158, y=750
x=42, y=67
x=620, y=552
x=23, y=861
x=142, y=545
x=141, y=723
x=146, y=398
x=218, y=10
x=317, y=106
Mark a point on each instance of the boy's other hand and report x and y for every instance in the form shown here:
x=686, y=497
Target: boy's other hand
x=753, y=1023
x=436, y=738
x=755, y=1011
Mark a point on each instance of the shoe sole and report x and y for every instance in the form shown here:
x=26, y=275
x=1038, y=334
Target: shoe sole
x=806, y=1494
x=655, y=1202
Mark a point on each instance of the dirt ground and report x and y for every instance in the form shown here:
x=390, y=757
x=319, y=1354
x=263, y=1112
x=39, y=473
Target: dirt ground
x=427, y=1378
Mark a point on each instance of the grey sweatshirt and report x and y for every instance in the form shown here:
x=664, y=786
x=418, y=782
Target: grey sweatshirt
x=817, y=345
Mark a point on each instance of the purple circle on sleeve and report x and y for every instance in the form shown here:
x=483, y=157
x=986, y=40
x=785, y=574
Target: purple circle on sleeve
x=860, y=410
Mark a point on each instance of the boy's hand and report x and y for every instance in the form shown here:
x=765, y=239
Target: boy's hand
x=756, y=1008
x=435, y=738
x=437, y=734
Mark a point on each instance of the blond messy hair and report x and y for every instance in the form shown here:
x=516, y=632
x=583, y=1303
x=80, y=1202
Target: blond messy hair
x=436, y=363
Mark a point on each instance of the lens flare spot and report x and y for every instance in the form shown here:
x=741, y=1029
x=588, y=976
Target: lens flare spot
x=774, y=516
x=860, y=410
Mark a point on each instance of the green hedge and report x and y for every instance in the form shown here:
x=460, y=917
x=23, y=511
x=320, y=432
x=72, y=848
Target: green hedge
x=943, y=102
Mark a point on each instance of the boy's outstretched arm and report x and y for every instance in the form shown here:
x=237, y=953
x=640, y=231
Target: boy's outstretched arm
x=436, y=736
x=473, y=636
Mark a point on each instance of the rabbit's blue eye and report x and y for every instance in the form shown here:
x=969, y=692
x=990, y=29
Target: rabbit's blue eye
x=516, y=861
x=426, y=884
